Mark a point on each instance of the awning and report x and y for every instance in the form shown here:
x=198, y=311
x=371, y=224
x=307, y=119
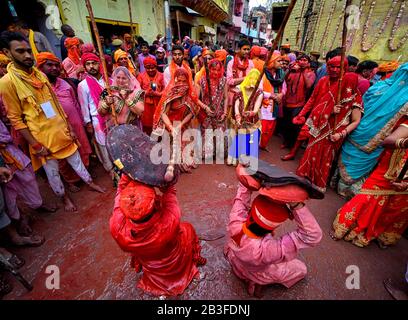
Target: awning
x=208, y=8
x=207, y=30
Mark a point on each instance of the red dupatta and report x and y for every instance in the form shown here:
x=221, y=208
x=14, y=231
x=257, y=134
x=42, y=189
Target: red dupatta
x=177, y=91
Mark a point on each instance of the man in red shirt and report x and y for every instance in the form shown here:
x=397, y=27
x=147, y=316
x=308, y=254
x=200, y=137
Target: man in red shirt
x=299, y=81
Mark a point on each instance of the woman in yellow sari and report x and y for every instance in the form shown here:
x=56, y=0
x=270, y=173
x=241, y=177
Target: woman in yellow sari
x=245, y=119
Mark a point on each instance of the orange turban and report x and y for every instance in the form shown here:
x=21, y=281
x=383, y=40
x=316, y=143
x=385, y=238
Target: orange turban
x=275, y=56
x=70, y=42
x=123, y=54
x=120, y=54
x=286, y=58
x=255, y=52
x=42, y=58
x=72, y=45
x=221, y=55
x=137, y=200
x=388, y=66
x=207, y=52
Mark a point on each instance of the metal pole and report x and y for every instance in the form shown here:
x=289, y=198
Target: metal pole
x=168, y=24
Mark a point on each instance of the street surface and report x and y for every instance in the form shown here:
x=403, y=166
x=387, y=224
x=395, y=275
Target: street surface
x=93, y=267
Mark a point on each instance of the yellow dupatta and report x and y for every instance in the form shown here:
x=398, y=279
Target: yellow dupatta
x=31, y=39
x=249, y=81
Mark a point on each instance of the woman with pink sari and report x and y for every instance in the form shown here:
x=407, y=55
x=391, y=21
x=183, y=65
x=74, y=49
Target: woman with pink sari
x=126, y=97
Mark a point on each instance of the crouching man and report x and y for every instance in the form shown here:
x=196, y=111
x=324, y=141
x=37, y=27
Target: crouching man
x=255, y=255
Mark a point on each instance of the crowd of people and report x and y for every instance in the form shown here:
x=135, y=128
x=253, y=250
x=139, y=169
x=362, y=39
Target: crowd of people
x=55, y=115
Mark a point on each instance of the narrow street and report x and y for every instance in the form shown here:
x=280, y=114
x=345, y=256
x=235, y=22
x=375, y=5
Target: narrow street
x=93, y=267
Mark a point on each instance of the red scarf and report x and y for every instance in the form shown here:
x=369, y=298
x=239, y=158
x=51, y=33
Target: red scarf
x=239, y=65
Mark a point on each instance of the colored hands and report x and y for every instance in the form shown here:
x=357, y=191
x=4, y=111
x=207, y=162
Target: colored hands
x=299, y=120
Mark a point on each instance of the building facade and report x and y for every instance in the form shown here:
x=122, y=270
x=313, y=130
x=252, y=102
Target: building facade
x=198, y=19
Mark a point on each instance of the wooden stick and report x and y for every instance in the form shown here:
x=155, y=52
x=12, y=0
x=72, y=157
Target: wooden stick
x=101, y=56
x=343, y=56
x=207, y=77
x=131, y=23
x=300, y=20
x=273, y=47
x=178, y=26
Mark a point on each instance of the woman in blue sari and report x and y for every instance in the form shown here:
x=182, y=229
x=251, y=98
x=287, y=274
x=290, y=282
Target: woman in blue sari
x=385, y=103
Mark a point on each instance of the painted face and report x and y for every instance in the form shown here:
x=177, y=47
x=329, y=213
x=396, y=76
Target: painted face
x=216, y=71
x=303, y=63
x=151, y=70
x=121, y=80
x=51, y=68
x=181, y=79
x=333, y=70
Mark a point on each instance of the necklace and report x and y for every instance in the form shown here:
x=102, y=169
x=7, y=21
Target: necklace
x=364, y=45
x=329, y=18
x=395, y=26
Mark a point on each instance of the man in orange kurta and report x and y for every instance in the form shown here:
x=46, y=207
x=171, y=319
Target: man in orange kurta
x=33, y=110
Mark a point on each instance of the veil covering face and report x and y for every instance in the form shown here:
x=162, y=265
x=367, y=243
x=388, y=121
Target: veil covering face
x=249, y=81
x=177, y=89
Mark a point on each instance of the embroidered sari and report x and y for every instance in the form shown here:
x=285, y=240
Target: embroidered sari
x=385, y=103
x=378, y=211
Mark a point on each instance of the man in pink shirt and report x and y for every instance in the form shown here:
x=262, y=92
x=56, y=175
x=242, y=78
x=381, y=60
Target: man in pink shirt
x=239, y=67
x=254, y=254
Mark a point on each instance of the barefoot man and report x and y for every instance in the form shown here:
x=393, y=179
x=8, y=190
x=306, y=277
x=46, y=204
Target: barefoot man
x=33, y=110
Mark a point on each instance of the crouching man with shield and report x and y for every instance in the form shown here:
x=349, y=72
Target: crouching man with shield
x=255, y=254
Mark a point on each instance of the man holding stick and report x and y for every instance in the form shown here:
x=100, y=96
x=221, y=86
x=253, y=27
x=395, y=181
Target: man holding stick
x=328, y=123
x=34, y=110
x=89, y=92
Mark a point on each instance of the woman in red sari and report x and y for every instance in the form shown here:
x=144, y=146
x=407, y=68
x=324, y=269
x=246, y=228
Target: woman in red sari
x=217, y=99
x=380, y=210
x=148, y=227
x=178, y=106
x=327, y=125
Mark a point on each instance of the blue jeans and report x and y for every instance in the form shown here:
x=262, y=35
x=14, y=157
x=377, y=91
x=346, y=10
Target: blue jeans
x=245, y=144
